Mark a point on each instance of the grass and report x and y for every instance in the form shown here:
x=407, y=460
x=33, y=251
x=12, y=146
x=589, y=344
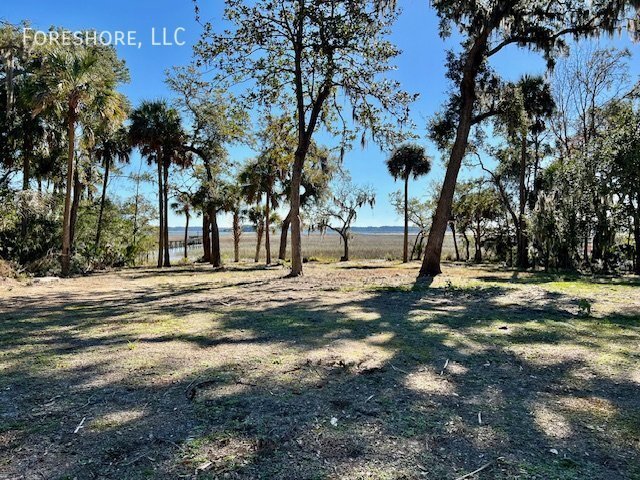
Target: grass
x=319, y=248
x=353, y=371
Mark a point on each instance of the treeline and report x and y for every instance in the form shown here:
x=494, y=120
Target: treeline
x=561, y=171
x=559, y=153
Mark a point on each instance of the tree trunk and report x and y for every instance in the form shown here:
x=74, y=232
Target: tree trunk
x=466, y=245
x=66, y=219
x=259, y=232
x=160, y=212
x=186, y=237
x=405, y=244
x=636, y=235
x=522, y=260
x=167, y=255
x=296, y=234
x=237, y=231
x=103, y=197
x=26, y=174
x=282, y=254
x=345, y=241
x=452, y=225
x=433, y=251
x=206, y=238
x=477, y=258
x=216, y=257
x=75, y=205
x=267, y=227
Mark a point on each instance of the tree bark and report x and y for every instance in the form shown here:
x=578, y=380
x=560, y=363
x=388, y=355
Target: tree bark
x=259, y=232
x=405, y=245
x=26, y=174
x=66, y=219
x=160, y=212
x=522, y=260
x=475, y=57
x=452, y=225
x=636, y=235
x=206, y=238
x=103, y=197
x=186, y=237
x=296, y=234
x=75, y=205
x=433, y=250
x=282, y=254
x=237, y=231
x=345, y=241
x=267, y=227
x=216, y=257
x=167, y=255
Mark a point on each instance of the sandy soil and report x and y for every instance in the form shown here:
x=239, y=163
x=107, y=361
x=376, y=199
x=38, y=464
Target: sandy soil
x=353, y=371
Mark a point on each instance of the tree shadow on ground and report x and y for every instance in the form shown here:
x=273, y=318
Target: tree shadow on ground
x=398, y=382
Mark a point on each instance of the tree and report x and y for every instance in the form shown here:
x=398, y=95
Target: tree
x=156, y=129
x=182, y=206
x=340, y=214
x=476, y=209
x=405, y=162
x=317, y=173
x=622, y=146
x=310, y=59
x=419, y=212
x=110, y=146
x=539, y=25
x=217, y=120
x=258, y=178
x=72, y=81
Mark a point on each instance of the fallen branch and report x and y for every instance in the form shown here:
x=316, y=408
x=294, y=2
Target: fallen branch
x=471, y=474
x=80, y=425
x=399, y=369
x=446, y=364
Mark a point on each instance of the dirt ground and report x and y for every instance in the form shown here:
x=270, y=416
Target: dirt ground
x=352, y=372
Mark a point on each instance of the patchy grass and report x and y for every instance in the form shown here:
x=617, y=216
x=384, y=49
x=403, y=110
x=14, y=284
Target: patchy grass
x=352, y=372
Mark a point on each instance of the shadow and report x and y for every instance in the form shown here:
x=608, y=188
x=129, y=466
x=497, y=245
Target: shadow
x=278, y=378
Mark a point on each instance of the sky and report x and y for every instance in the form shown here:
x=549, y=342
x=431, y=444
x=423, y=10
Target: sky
x=420, y=69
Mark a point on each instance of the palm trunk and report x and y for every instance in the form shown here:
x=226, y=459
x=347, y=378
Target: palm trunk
x=75, y=205
x=267, y=227
x=405, y=251
x=216, y=257
x=103, y=197
x=167, y=254
x=282, y=254
x=259, y=232
x=66, y=219
x=186, y=236
x=161, y=214
x=237, y=231
x=206, y=239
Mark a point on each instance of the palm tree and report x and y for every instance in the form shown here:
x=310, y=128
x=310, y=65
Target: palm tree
x=110, y=146
x=182, y=206
x=405, y=162
x=259, y=178
x=157, y=131
x=72, y=82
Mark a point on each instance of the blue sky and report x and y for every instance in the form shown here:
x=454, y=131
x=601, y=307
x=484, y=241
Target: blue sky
x=420, y=69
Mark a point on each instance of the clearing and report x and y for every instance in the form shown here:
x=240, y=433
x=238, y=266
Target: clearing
x=352, y=372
